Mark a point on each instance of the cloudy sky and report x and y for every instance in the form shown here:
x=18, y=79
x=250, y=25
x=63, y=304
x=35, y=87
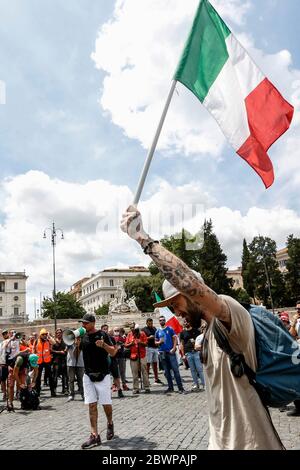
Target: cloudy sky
x=82, y=87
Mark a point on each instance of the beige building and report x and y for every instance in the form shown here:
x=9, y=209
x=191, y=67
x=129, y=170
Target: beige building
x=13, y=297
x=102, y=288
x=236, y=275
x=282, y=257
x=76, y=289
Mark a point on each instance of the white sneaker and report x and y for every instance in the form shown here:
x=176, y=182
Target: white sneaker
x=195, y=388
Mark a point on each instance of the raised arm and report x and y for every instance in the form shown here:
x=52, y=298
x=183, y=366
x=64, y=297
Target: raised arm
x=174, y=269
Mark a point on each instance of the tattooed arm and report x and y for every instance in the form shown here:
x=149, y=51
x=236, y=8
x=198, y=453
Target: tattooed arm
x=175, y=270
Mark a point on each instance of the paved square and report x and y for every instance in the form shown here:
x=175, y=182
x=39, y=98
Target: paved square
x=154, y=421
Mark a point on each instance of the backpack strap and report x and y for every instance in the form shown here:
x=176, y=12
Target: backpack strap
x=238, y=365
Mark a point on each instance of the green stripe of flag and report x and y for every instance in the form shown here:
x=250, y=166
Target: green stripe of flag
x=205, y=52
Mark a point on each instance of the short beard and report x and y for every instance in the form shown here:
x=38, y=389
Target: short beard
x=195, y=314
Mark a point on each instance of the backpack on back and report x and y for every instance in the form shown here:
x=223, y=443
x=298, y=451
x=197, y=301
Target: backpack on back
x=277, y=378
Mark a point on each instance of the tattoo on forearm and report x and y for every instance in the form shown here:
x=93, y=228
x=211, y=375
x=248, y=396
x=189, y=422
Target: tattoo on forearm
x=183, y=278
x=177, y=272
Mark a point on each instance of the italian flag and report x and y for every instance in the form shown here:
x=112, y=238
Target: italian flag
x=249, y=110
x=171, y=319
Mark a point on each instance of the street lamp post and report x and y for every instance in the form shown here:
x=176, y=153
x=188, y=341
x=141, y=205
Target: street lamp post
x=53, y=231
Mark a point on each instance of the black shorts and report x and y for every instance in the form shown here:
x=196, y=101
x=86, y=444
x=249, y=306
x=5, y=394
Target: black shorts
x=114, y=369
x=3, y=373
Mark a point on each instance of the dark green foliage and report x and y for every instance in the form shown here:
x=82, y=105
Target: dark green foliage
x=103, y=310
x=143, y=289
x=261, y=271
x=292, y=276
x=66, y=306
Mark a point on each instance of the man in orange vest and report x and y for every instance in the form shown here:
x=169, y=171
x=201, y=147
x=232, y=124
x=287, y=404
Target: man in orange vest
x=43, y=350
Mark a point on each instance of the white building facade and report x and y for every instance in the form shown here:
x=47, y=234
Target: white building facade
x=102, y=288
x=13, y=297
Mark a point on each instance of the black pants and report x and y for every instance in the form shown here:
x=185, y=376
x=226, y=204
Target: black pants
x=47, y=367
x=60, y=368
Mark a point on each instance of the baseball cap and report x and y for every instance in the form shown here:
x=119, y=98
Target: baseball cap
x=4, y=331
x=33, y=358
x=284, y=316
x=170, y=292
x=43, y=331
x=88, y=318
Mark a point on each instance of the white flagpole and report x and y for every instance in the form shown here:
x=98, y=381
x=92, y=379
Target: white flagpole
x=153, y=147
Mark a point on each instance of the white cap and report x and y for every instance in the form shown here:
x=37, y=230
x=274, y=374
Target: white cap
x=170, y=292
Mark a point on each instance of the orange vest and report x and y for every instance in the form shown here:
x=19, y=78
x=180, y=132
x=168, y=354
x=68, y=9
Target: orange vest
x=43, y=351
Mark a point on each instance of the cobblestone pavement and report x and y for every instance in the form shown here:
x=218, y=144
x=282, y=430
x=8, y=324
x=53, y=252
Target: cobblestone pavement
x=154, y=421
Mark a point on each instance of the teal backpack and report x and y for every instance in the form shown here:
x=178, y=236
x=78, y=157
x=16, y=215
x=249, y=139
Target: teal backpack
x=277, y=378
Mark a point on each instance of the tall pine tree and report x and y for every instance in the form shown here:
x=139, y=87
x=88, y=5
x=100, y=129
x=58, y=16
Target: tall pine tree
x=210, y=261
x=203, y=253
x=263, y=269
x=247, y=268
x=292, y=276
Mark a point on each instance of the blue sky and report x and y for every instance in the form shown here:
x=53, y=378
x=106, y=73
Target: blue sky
x=73, y=137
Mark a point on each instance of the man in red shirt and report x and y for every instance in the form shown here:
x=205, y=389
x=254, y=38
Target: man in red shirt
x=137, y=341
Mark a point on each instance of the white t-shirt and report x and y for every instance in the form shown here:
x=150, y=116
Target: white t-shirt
x=297, y=327
x=199, y=339
x=237, y=418
x=3, y=351
x=14, y=348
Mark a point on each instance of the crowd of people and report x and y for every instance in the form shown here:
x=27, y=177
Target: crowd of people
x=145, y=349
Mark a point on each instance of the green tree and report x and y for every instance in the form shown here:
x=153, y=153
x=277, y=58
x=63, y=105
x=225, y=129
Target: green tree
x=210, y=261
x=143, y=289
x=241, y=295
x=179, y=245
x=263, y=269
x=201, y=252
x=103, y=310
x=292, y=277
x=247, y=268
x=65, y=304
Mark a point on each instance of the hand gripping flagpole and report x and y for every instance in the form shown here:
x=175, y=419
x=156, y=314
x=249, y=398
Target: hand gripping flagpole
x=153, y=147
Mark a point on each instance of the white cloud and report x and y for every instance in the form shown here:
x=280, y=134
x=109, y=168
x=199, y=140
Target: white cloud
x=139, y=58
x=33, y=200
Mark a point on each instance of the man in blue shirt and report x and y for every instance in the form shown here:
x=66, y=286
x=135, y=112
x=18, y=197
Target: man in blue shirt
x=166, y=340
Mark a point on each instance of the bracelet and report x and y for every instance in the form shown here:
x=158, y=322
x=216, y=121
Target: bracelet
x=149, y=245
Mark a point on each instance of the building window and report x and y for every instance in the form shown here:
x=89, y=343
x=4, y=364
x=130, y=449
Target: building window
x=2, y=286
x=0, y=299
x=16, y=311
x=16, y=285
x=16, y=298
x=97, y=284
x=112, y=296
x=1, y=312
x=111, y=283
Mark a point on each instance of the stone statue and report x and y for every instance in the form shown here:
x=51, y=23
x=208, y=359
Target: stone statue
x=120, y=305
x=132, y=305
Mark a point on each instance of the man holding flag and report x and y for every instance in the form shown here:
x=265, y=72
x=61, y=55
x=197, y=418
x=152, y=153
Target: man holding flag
x=237, y=417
